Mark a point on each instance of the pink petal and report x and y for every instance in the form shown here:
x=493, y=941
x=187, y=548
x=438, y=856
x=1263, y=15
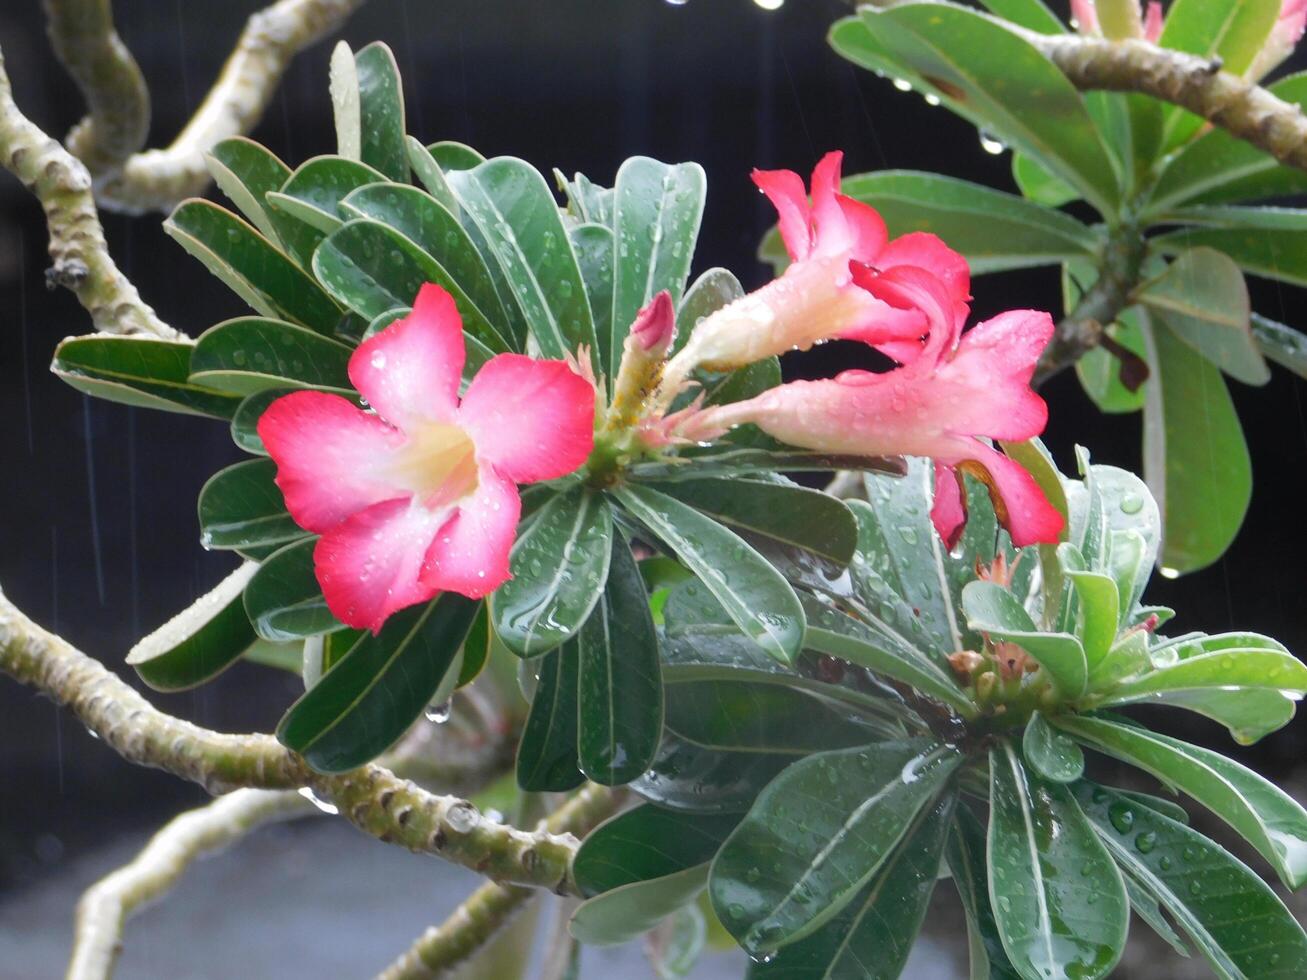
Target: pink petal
x=1085, y=16
x=991, y=373
x=784, y=188
x=947, y=513
x=655, y=325
x=910, y=288
x=370, y=565
x=832, y=234
x=867, y=228
x=1030, y=518
x=531, y=420
x=332, y=459
x=1153, y=21
x=410, y=371
x=470, y=554
x=929, y=252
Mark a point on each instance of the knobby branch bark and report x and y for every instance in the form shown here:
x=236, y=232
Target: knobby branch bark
x=117, y=99
x=106, y=905
x=373, y=798
x=443, y=948
x=155, y=180
x=79, y=253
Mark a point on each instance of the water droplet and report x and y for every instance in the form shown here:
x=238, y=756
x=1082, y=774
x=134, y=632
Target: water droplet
x=903, y=85
x=991, y=145
x=317, y=801
x=438, y=714
x=1131, y=503
x=1145, y=842
x=1121, y=816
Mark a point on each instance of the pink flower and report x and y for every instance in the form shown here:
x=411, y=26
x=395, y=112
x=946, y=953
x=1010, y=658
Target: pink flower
x=1118, y=18
x=939, y=405
x=820, y=296
x=1285, y=35
x=421, y=496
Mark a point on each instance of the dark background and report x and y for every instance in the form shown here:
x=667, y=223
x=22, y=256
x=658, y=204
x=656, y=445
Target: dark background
x=98, y=536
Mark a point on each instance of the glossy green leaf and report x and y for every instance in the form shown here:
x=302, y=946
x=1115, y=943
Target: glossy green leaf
x=1144, y=905
x=1233, y=918
x=1033, y=14
x=1228, y=670
x=709, y=293
x=756, y=596
x=139, y=372
x=1283, y=345
x=1058, y=898
x=967, y=863
x=744, y=462
x=547, y=753
x=992, y=77
x=1099, y=370
x=586, y=200
x=1272, y=249
x=621, y=691
x=689, y=777
x=1051, y=754
x=992, y=609
x=453, y=155
x=674, y=946
x=240, y=507
x=284, y=600
x=373, y=269
x=624, y=913
x=593, y=245
x=345, y=103
x=1203, y=300
x=1038, y=185
x=255, y=269
x=657, y=208
x=245, y=171
x=818, y=833
x=370, y=698
x=381, y=111
x=1258, y=810
x=1195, y=458
x=875, y=933
x=644, y=843
x=785, y=512
x=433, y=228
x=312, y=194
x=512, y=206
x=245, y=421
x=1218, y=167
x=429, y=172
x=251, y=354
x=559, y=566
x=200, y=642
x=279, y=656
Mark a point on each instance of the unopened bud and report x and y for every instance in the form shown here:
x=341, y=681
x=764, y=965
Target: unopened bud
x=965, y=663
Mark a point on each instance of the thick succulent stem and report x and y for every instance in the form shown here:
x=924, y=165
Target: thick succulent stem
x=79, y=254
x=106, y=905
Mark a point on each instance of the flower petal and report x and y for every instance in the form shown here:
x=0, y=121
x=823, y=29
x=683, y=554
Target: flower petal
x=831, y=234
x=370, y=565
x=531, y=420
x=410, y=371
x=991, y=373
x=947, y=513
x=470, y=554
x=867, y=229
x=927, y=251
x=1024, y=510
x=332, y=458
x=784, y=188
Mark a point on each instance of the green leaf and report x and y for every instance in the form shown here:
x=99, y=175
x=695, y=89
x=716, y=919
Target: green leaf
x=381, y=111
x=1195, y=458
x=1283, y=345
x=1038, y=185
x=593, y=245
x=433, y=228
x=431, y=175
x=1233, y=918
x=279, y=656
x=785, y=512
x=675, y=945
x=709, y=293
x=1057, y=896
x=992, y=77
x=1264, y=242
x=645, y=843
x=255, y=269
x=966, y=857
x=624, y=913
x=992, y=609
x=139, y=372
x=245, y=421
x=1033, y=14
x=657, y=208
x=1051, y=754
x=512, y=206
x=880, y=926
x=241, y=507
x=245, y=171
x=1147, y=908
x=370, y=698
x=586, y=200
x=744, y=462
x=1099, y=370
x=818, y=833
x=312, y=194
x=1259, y=811
x=344, y=78
x=284, y=600
x=546, y=756
x=559, y=566
x=453, y=155
x=1218, y=167
x=251, y=354
x=1202, y=298
x=698, y=780
x=373, y=269
x=756, y=596
x=200, y=642
x=1228, y=671
x=621, y=692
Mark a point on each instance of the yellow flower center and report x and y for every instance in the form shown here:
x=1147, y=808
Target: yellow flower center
x=438, y=463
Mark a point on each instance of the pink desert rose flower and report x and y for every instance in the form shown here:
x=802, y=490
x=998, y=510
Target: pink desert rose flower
x=831, y=240
x=940, y=405
x=419, y=496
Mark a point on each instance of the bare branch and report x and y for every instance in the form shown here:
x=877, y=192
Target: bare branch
x=372, y=798
x=156, y=180
x=443, y=948
x=81, y=260
x=107, y=904
x=117, y=99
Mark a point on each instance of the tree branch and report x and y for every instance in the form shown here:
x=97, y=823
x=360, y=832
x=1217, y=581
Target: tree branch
x=156, y=180
x=443, y=948
x=80, y=255
x=118, y=101
x=372, y=798
x=108, y=903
